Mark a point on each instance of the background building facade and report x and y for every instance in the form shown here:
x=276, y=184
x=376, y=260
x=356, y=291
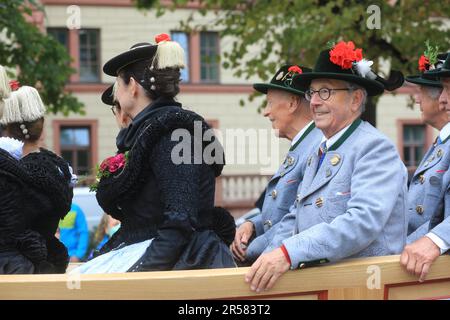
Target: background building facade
x=109, y=27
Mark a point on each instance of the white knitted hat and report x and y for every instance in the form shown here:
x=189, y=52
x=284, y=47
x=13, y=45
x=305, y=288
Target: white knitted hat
x=5, y=90
x=23, y=105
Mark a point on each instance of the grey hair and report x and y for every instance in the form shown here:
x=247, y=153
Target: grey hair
x=433, y=92
x=354, y=87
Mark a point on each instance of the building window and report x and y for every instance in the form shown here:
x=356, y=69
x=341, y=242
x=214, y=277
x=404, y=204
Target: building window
x=183, y=39
x=209, y=57
x=75, y=147
x=76, y=141
x=414, y=141
x=61, y=35
x=89, y=48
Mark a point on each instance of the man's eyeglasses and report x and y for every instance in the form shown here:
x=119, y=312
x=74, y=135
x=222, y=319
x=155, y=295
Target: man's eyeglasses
x=324, y=93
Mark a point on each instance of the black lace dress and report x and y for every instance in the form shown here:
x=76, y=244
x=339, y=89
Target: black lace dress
x=34, y=195
x=156, y=197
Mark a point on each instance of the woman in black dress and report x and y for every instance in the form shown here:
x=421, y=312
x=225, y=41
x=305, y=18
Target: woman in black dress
x=36, y=191
x=163, y=196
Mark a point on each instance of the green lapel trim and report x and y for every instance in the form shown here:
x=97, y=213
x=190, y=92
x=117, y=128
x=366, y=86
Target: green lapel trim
x=347, y=134
x=310, y=128
x=445, y=140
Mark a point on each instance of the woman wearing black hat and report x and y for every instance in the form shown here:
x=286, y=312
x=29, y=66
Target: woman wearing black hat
x=166, y=206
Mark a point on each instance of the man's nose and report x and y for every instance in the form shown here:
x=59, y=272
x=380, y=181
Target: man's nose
x=315, y=99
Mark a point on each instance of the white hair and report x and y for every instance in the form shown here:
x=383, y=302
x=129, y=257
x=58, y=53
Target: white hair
x=433, y=92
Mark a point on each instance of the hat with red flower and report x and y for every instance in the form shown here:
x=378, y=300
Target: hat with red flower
x=284, y=80
x=345, y=62
x=429, y=60
x=164, y=54
x=441, y=68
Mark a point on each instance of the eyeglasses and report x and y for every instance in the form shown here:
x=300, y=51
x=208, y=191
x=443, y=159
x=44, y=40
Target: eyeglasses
x=324, y=93
x=115, y=108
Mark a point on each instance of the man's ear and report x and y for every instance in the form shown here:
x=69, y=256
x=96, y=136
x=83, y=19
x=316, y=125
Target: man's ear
x=294, y=103
x=357, y=98
x=443, y=97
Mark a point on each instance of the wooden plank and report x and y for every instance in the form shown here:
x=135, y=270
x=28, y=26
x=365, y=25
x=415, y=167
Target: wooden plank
x=350, y=277
x=432, y=290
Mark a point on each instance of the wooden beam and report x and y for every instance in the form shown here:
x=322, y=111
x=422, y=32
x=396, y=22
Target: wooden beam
x=344, y=280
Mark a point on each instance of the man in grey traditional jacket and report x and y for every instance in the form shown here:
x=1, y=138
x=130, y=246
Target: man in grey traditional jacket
x=353, y=196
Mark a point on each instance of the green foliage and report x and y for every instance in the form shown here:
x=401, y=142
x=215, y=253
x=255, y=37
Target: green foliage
x=431, y=52
x=296, y=31
x=43, y=62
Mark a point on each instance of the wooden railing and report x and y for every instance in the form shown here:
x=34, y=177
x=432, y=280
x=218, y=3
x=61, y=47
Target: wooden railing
x=369, y=278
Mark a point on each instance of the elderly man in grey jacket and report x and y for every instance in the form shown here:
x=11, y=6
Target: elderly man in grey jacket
x=424, y=249
x=289, y=112
x=353, y=196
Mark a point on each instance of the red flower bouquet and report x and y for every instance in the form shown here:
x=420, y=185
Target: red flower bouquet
x=109, y=166
x=344, y=54
x=429, y=57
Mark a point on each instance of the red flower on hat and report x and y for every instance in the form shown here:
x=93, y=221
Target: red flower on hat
x=424, y=63
x=295, y=69
x=162, y=37
x=14, y=84
x=344, y=54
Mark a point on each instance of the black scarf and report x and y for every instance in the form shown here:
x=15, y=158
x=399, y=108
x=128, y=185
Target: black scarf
x=127, y=136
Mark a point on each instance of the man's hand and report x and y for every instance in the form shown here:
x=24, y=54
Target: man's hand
x=418, y=256
x=240, y=243
x=266, y=270
x=74, y=259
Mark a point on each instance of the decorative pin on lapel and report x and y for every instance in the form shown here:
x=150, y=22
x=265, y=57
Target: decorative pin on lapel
x=440, y=153
x=422, y=179
x=335, y=160
x=328, y=173
x=290, y=161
